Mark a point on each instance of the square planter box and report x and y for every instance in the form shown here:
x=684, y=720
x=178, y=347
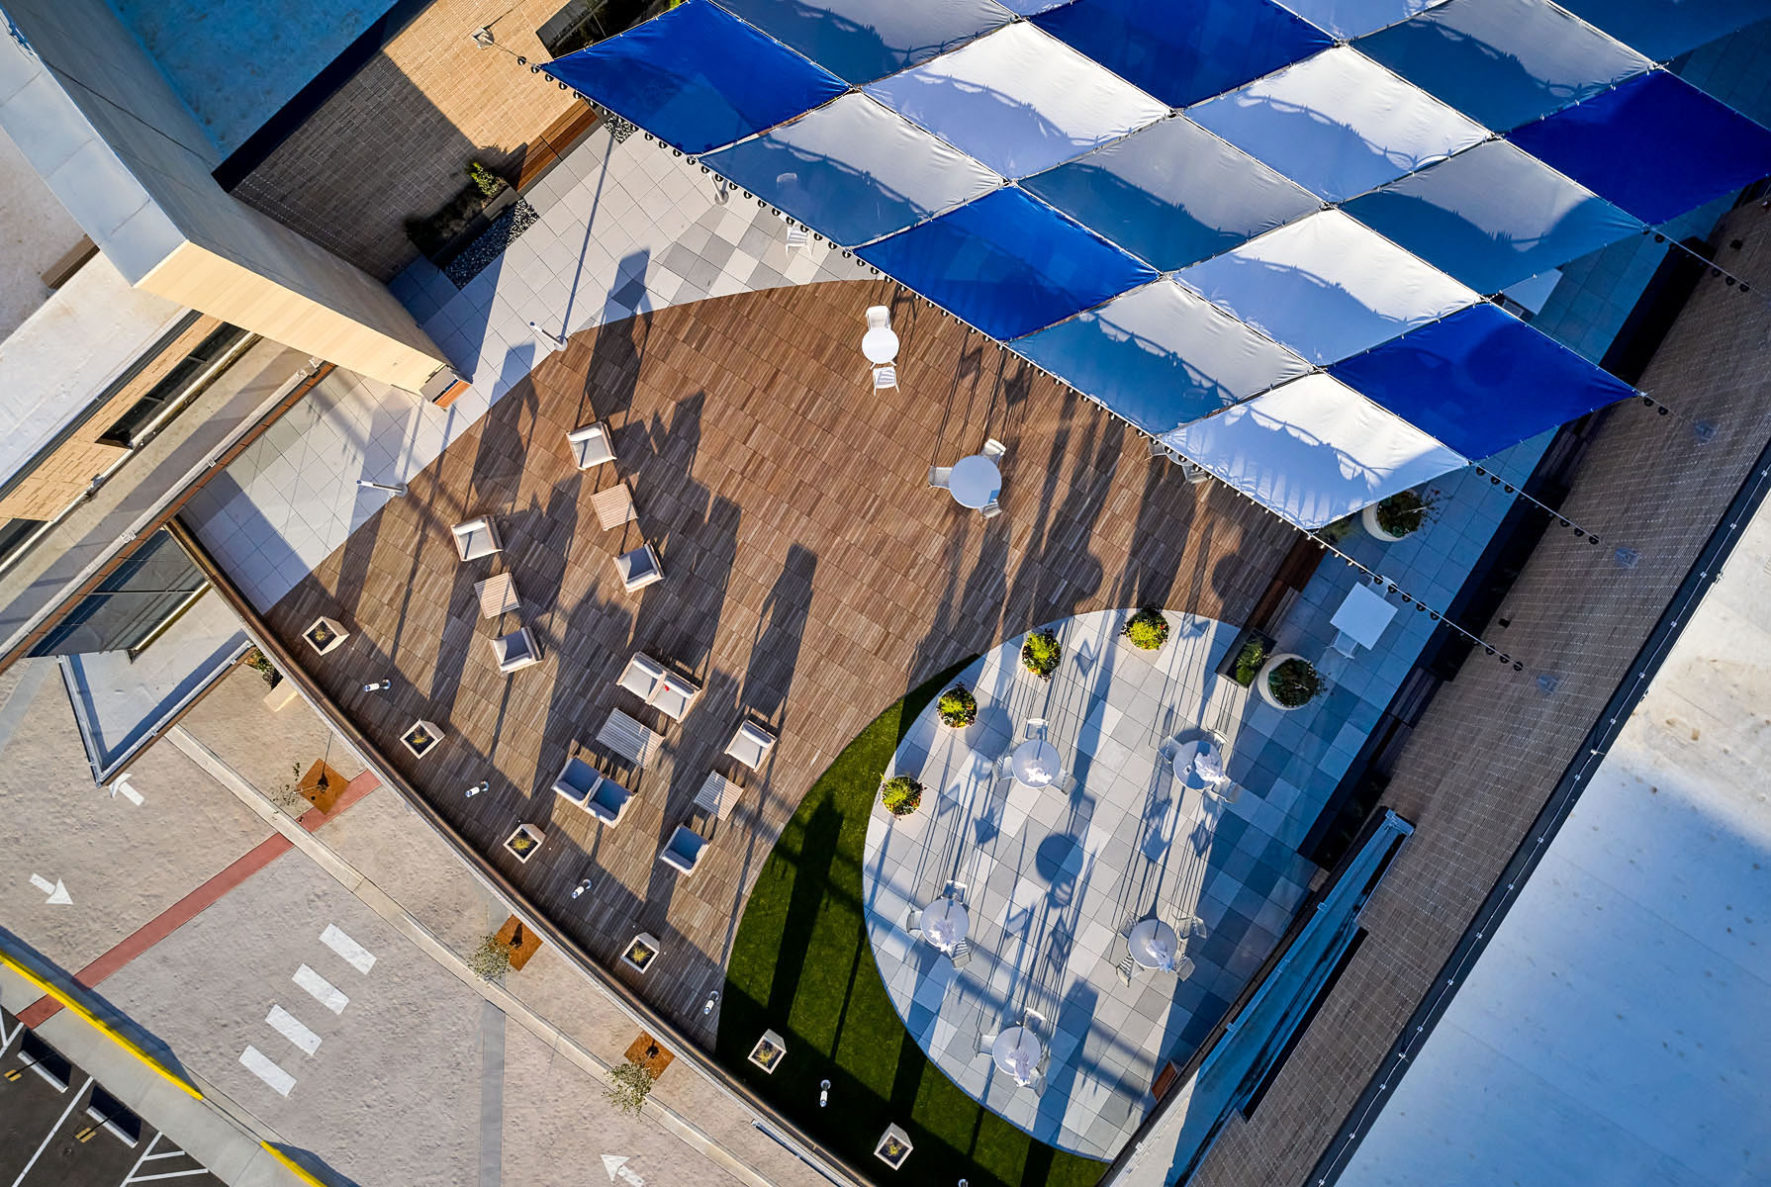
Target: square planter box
x=522, y=941
x=768, y=1051
x=894, y=1147
x=323, y=634
x=524, y=842
x=641, y=951
x=422, y=738
x=1227, y=667
x=322, y=786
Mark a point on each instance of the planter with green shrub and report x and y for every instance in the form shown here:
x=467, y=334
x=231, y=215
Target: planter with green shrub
x=1246, y=658
x=1147, y=630
x=900, y=794
x=1040, y=653
x=958, y=707
x=1289, y=681
x=1399, y=516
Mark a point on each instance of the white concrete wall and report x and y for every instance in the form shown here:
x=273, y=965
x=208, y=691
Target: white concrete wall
x=100, y=123
x=35, y=231
x=67, y=352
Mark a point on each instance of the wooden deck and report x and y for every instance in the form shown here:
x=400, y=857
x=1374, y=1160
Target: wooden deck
x=812, y=577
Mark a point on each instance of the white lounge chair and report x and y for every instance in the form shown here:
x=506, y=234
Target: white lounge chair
x=590, y=445
x=683, y=851
x=641, y=676
x=476, y=538
x=639, y=568
x=751, y=745
x=516, y=651
x=675, y=696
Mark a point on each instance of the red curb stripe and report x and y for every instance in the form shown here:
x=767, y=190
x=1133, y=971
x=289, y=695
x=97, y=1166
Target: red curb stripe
x=197, y=901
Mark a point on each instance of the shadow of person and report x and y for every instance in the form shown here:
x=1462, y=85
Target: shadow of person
x=619, y=349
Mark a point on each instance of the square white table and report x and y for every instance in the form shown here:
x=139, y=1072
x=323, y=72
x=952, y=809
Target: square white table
x=1364, y=615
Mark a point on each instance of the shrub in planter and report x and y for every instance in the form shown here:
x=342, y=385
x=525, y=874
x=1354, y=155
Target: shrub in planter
x=1147, y=629
x=958, y=707
x=260, y=663
x=629, y=1085
x=1249, y=661
x=1403, y=513
x=484, y=180
x=1294, y=683
x=900, y=794
x=1040, y=654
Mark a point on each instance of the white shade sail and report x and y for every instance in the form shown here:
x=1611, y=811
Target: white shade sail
x=1019, y=100
x=1327, y=287
x=1338, y=123
x=1314, y=450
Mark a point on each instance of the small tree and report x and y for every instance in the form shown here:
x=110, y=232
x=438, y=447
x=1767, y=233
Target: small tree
x=491, y=960
x=1040, y=653
x=629, y=1085
x=1294, y=683
x=1405, y=512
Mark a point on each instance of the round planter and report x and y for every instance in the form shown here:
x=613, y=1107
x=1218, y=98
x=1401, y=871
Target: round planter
x=1266, y=691
x=1368, y=520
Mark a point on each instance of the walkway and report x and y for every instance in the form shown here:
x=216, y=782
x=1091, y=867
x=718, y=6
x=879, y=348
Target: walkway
x=811, y=577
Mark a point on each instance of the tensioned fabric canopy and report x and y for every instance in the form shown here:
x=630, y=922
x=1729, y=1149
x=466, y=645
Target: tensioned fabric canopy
x=1264, y=232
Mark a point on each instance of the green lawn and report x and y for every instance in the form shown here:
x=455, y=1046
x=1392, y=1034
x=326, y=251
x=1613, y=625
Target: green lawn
x=802, y=966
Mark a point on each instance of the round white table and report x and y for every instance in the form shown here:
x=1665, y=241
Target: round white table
x=1017, y=1052
x=880, y=345
x=975, y=481
x=1035, y=763
x=1187, y=761
x=943, y=923
x=1153, y=944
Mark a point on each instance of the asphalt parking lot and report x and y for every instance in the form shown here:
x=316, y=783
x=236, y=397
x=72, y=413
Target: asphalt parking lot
x=59, y=1128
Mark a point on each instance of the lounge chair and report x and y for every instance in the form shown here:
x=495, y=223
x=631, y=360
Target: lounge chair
x=639, y=568
x=641, y=676
x=585, y=787
x=476, y=538
x=590, y=445
x=516, y=651
x=683, y=852
x=674, y=696
x=751, y=745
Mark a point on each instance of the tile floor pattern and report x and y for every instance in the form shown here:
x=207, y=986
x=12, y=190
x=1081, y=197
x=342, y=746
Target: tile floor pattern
x=811, y=578
x=1053, y=876
x=624, y=228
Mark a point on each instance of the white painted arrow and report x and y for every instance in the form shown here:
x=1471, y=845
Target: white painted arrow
x=613, y=1163
x=58, y=894
x=129, y=793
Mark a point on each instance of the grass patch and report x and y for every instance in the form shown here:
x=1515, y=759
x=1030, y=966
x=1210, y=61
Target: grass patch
x=802, y=965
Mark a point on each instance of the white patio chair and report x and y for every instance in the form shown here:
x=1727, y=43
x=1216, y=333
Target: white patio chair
x=1195, y=473
x=884, y=378
x=516, y=651
x=994, y=449
x=639, y=568
x=576, y=780
x=961, y=954
x=590, y=445
x=608, y=802
x=991, y=509
x=1184, y=967
x=641, y=676
x=1034, y=728
x=879, y=317
x=986, y=1044
x=1160, y=448
x=675, y=695
x=751, y=745
x=908, y=923
x=1126, y=968
x=1346, y=644
x=939, y=476
x=1226, y=791
x=683, y=851
x=476, y=538
x=797, y=237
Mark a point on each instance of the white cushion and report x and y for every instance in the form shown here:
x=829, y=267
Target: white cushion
x=641, y=675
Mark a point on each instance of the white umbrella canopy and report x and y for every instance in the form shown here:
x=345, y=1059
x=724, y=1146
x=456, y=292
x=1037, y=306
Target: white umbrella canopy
x=1153, y=944
x=1017, y=1052
x=944, y=923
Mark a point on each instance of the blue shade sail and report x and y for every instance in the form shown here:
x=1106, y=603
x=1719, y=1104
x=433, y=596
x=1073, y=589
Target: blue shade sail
x=1326, y=287
x=861, y=40
x=1173, y=194
x=1019, y=100
x=1664, y=29
x=1182, y=51
x=854, y=170
x=1347, y=19
x=1031, y=7
x=1007, y=264
x=1314, y=451
x=1492, y=216
x=697, y=77
x=1503, y=62
x=1338, y=124
x=1160, y=357
x=1655, y=145
x=1481, y=380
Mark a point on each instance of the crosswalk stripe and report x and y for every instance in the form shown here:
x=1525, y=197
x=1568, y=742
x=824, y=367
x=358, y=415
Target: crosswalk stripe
x=323, y=991
x=292, y=1028
x=262, y=1066
x=355, y=955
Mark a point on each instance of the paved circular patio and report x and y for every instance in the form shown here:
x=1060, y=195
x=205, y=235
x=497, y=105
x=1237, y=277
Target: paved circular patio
x=1053, y=876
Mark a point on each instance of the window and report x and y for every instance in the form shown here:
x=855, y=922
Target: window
x=134, y=424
